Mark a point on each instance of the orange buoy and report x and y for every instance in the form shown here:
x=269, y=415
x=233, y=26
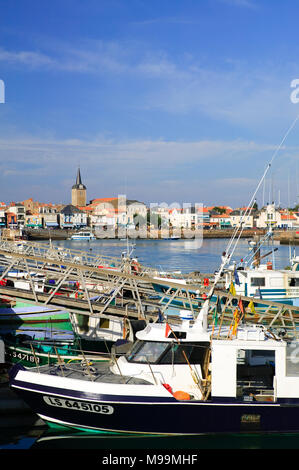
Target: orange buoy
x=180, y=395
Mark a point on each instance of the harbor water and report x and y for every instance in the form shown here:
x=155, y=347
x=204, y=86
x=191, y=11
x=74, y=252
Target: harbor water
x=165, y=255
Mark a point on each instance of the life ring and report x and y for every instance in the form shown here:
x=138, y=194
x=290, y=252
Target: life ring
x=192, y=296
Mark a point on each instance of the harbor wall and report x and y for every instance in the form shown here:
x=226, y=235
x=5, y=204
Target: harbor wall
x=61, y=234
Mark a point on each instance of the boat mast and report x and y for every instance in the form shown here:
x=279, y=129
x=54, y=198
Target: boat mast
x=202, y=318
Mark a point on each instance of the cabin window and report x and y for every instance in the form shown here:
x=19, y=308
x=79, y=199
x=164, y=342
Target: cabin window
x=294, y=282
x=292, y=359
x=147, y=351
x=104, y=323
x=255, y=375
x=156, y=352
x=177, y=353
x=257, y=281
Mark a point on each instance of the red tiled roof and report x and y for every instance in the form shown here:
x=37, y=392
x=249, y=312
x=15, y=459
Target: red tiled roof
x=103, y=199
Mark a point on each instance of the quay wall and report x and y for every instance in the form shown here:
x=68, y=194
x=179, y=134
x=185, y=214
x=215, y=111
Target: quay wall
x=285, y=237
x=61, y=234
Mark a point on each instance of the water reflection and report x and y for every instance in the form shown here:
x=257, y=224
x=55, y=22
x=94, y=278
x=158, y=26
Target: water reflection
x=81, y=440
x=44, y=438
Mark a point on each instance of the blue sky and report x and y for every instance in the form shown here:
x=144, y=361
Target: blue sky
x=164, y=101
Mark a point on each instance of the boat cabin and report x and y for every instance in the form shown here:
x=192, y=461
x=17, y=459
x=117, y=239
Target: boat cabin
x=265, y=283
x=82, y=235
x=250, y=367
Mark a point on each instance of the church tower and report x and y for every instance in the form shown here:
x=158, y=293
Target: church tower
x=79, y=192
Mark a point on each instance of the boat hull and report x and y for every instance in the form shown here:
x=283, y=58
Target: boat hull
x=144, y=414
x=31, y=357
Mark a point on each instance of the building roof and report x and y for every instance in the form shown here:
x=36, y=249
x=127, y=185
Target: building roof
x=78, y=184
x=288, y=217
x=70, y=209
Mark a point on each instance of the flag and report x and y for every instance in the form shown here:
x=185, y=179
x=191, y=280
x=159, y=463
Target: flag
x=240, y=304
x=232, y=289
x=206, y=281
x=236, y=319
x=251, y=306
x=218, y=309
x=167, y=330
x=236, y=277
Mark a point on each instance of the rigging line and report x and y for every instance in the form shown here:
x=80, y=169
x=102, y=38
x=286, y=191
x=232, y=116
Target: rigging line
x=257, y=188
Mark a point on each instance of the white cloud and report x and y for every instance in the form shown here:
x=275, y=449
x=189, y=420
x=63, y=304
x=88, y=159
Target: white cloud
x=240, y=3
x=26, y=58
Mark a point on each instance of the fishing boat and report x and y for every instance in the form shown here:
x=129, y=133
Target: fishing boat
x=28, y=349
x=83, y=236
x=101, y=333
x=251, y=278
x=190, y=379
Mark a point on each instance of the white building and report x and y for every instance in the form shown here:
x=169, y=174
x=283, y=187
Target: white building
x=269, y=216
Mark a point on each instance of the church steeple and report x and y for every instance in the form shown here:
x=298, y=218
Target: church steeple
x=78, y=184
x=78, y=180
x=79, y=191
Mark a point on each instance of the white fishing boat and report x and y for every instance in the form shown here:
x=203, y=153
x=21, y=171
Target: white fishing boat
x=83, y=235
x=190, y=379
x=104, y=329
x=261, y=280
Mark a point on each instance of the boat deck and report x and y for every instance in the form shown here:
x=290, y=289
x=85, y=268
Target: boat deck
x=96, y=373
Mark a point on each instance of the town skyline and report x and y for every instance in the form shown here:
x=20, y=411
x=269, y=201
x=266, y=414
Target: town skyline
x=115, y=215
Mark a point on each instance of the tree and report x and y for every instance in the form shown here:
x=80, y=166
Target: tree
x=219, y=210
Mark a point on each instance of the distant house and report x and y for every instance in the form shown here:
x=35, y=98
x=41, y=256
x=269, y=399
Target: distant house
x=15, y=215
x=268, y=216
x=114, y=212
x=238, y=215
x=2, y=217
x=288, y=220
x=33, y=220
x=220, y=220
x=49, y=216
x=72, y=217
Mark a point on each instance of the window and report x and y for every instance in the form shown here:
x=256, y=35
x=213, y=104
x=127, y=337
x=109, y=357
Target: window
x=156, y=352
x=177, y=353
x=257, y=281
x=147, y=351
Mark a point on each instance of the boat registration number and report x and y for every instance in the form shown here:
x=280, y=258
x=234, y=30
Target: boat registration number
x=24, y=357
x=79, y=405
